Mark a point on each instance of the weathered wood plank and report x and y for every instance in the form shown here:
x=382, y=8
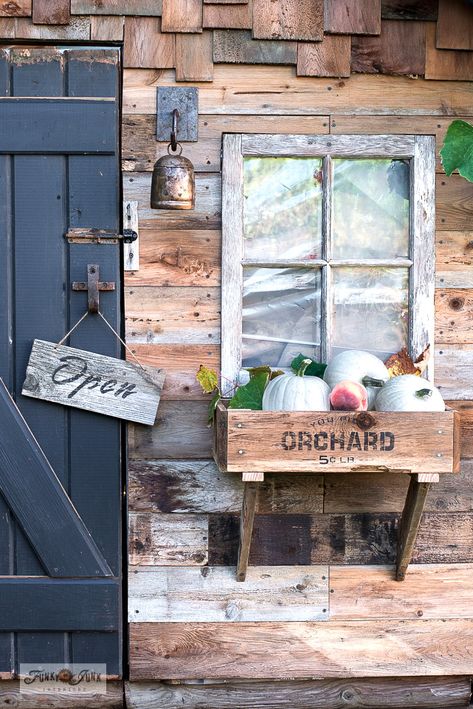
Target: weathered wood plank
x=205, y=215
x=427, y=693
x=328, y=58
x=107, y=28
x=86, y=380
x=116, y=7
x=78, y=28
x=194, y=57
x=110, y=698
x=352, y=17
x=466, y=418
x=454, y=202
x=172, y=315
x=198, y=486
x=51, y=12
x=454, y=25
x=409, y=9
x=429, y=591
x=247, y=520
x=140, y=150
x=211, y=594
x=181, y=431
x=446, y=63
x=276, y=90
x=453, y=258
x=19, y=8
x=182, y=16
x=409, y=524
x=291, y=650
x=167, y=540
x=399, y=49
x=454, y=315
x=229, y=17
x=239, y=47
x=288, y=19
x=341, y=539
x=182, y=363
x=146, y=46
x=453, y=371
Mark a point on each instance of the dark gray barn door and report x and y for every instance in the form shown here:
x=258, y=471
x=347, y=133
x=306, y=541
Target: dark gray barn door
x=59, y=169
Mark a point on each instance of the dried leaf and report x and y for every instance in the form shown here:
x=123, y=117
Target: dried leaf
x=207, y=379
x=402, y=363
x=422, y=362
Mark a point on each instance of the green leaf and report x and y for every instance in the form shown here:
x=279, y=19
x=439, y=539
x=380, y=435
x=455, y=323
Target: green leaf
x=213, y=405
x=207, y=379
x=457, y=149
x=250, y=396
x=316, y=369
x=266, y=369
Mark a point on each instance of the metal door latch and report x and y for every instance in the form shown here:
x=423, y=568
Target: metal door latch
x=93, y=287
x=100, y=236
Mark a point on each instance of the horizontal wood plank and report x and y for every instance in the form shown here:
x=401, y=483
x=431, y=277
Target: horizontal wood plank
x=109, y=697
x=454, y=202
x=212, y=594
x=167, y=540
x=77, y=29
x=199, y=487
x=426, y=693
x=454, y=258
x=291, y=650
x=116, y=7
x=429, y=591
x=454, y=316
x=275, y=90
x=453, y=371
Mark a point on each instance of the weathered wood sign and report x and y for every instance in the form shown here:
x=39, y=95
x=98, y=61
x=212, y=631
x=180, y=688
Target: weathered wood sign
x=94, y=382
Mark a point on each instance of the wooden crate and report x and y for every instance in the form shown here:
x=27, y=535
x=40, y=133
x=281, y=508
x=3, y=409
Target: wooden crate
x=336, y=441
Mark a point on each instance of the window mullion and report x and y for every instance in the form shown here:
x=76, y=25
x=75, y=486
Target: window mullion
x=326, y=292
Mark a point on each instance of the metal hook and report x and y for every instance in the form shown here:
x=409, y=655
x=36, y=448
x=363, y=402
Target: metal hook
x=175, y=117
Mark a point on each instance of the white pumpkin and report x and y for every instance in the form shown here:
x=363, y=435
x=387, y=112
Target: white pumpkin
x=409, y=393
x=295, y=392
x=356, y=366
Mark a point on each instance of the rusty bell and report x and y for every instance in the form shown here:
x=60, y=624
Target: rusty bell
x=173, y=183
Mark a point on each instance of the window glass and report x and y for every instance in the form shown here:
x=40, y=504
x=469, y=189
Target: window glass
x=281, y=315
x=282, y=208
x=370, y=209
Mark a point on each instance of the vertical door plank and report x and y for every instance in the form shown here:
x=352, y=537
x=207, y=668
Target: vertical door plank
x=455, y=25
x=229, y=17
x=353, y=16
x=331, y=57
x=39, y=73
x=194, y=57
x=146, y=47
x=182, y=16
x=399, y=49
x=51, y=12
x=288, y=19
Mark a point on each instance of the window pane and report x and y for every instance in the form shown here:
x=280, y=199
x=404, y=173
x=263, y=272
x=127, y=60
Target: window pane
x=281, y=315
x=370, y=210
x=282, y=208
x=370, y=309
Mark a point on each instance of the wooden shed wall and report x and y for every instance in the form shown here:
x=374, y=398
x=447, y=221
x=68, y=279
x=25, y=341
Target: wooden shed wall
x=323, y=546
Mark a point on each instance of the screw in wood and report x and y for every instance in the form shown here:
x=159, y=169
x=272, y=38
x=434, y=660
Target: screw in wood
x=439, y=455
x=240, y=452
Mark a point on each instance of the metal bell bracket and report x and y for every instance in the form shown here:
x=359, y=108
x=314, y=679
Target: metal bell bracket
x=93, y=287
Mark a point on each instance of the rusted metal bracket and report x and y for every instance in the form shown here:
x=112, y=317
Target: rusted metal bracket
x=100, y=236
x=184, y=100
x=93, y=287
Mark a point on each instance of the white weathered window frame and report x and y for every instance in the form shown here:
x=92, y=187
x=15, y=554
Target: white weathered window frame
x=418, y=149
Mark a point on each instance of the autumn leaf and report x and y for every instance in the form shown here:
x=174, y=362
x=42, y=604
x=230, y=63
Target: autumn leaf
x=266, y=369
x=402, y=363
x=207, y=379
x=422, y=362
x=250, y=396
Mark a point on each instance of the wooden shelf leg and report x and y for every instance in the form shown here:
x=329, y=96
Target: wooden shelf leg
x=248, y=508
x=410, y=523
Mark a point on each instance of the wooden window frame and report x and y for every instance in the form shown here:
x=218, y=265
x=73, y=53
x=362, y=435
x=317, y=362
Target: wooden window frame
x=418, y=149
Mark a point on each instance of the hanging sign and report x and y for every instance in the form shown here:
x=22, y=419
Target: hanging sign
x=94, y=382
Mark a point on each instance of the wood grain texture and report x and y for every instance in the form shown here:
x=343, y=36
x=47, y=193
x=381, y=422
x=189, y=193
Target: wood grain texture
x=352, y=17
x=453, y=375
x=194, y=57
x=446, y=63
x=110, y=697
x=466, y=418
x=239, y=47
x=429, y=591
x=167, y=540
x=146, y=46
x=51, y=12
x=181, y=431
x=211, y=594
x=291, y=650
x=454, y=25
x=409, y=9
x=454, y=202
x=199, y=487
x=454, y=315
x=399, y=49
x=18, y=8
x=77, y=29
x=341, y=539
x=427, y=693
x=172, y=315
x=288, y=19
x=253, y=91
x=107, y=28
x=116, y=7
x=454, y=256
x=410, y=523
x=228, y=17
x=182, y=16
x=328, y=58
